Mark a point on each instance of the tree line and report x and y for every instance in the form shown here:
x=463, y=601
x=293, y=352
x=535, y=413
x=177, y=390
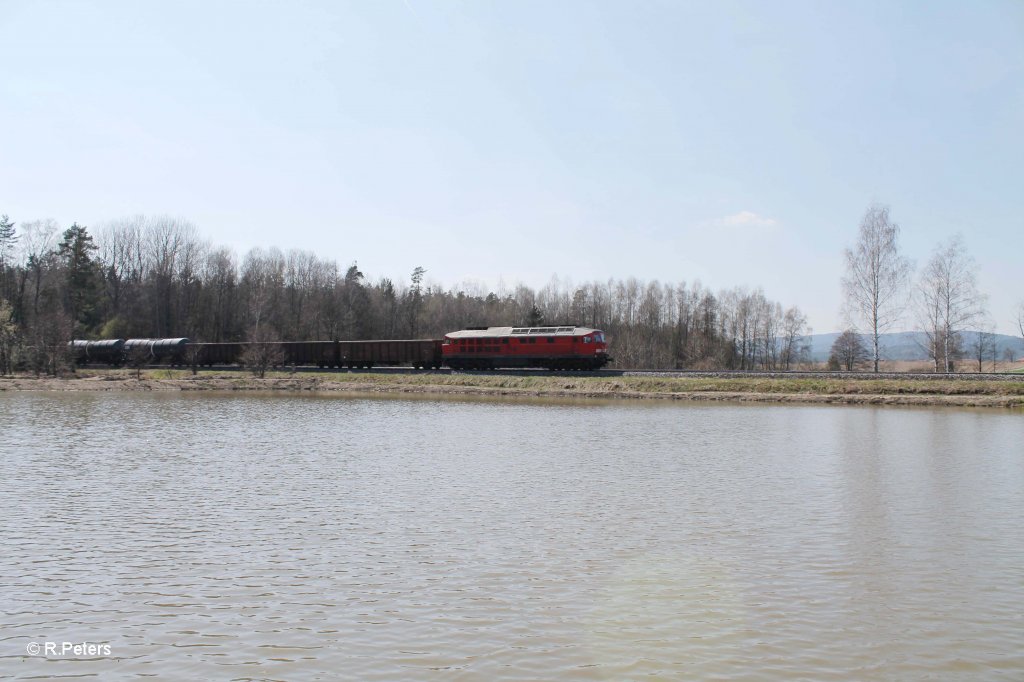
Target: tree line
x=158, y=277
x=943, y=299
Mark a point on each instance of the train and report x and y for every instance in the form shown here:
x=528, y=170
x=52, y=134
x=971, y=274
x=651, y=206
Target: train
x=473, y=348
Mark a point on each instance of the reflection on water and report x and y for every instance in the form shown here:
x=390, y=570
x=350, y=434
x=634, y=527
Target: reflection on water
x=216, y=537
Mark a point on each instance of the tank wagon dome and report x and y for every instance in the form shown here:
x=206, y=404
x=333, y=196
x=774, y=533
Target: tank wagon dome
x=490, y=332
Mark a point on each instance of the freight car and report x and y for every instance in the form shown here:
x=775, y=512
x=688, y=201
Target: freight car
x=547, y=347
x=419, y=353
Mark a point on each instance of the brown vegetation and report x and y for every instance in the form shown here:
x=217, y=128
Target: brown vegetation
x=801, y=390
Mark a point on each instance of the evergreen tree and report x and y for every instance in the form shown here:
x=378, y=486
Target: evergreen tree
x=82, y=275
x=415, y=300
x=535, y=318
x=7, y=241
x=7, y=270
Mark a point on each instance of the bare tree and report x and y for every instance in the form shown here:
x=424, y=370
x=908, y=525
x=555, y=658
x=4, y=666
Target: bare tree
x=263, y=278
x=48, y=338
x=876, y=277
x=138, y=357
x=848, y=351
x=262, y=352
x=8, y=337
x=983, y=347
x=1020, y=317
x=38, y=241
x=119, y=251
x=193, y=355
x=949, y=300
x=795, y=347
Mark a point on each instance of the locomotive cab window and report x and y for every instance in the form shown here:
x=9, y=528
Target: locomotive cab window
x=586, y=339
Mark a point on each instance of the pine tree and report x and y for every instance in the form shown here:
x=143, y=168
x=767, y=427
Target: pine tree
x=415, y=300
x=7, y=241
x=535, y=317
x=83, y=274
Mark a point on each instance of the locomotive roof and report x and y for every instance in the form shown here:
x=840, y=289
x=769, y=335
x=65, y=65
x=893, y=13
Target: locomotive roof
x=490, y=332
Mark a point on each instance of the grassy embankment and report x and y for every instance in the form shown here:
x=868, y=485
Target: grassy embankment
x=795, y=389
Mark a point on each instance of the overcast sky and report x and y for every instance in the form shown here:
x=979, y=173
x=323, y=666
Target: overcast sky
x=738, y=143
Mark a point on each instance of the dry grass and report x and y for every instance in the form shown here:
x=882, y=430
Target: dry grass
x=631, y=384
x=789, y=389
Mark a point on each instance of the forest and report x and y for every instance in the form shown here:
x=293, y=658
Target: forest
x=146, y=277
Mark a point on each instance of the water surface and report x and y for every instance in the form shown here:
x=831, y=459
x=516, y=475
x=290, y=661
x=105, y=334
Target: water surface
x=237, y=537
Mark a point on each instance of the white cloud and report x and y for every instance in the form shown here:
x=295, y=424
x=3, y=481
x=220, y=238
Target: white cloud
x=746, y=219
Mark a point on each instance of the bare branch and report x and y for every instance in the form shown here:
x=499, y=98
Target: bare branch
x=948, y=301
x=875, y=283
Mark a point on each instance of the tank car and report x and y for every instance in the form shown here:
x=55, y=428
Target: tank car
x=107, y=351
x=171, y=351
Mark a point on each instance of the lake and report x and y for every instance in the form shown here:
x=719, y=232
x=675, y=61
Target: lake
x=270, y=536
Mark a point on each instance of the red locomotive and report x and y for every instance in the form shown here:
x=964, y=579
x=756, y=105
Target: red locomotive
x=549, y=347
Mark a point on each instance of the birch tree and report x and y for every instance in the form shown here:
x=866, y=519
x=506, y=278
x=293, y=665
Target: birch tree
x=949, y=300
x=876, y=277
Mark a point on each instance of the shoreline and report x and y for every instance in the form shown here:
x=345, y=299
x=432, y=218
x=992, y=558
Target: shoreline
x=1006, y=395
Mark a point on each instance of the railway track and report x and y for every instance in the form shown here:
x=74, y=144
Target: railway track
x=666, y=373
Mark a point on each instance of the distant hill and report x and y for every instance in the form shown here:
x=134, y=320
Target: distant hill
x=909, y=345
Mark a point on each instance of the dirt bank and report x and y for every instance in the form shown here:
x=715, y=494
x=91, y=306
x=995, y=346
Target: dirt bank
x=794, y=390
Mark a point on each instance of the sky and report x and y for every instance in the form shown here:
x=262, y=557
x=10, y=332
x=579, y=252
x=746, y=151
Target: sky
x=735, y=143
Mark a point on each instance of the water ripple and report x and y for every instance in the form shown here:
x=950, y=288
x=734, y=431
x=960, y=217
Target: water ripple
x=252, y=537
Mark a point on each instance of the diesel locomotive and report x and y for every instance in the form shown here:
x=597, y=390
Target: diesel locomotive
x=562, y=348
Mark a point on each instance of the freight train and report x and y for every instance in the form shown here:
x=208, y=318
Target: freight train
x=566, y=347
